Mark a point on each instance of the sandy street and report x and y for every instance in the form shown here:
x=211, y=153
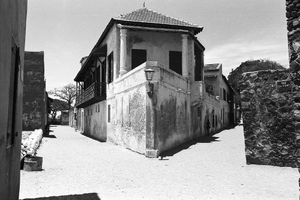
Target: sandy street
x=77, y=167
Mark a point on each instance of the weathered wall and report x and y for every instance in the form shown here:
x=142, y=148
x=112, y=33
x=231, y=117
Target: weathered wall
x=197, y=97
x=211, y=108
x=94, y=120
x=270, y=117
x=173, y=109
x=34, y=92
x=13, y=25
x=127, y=111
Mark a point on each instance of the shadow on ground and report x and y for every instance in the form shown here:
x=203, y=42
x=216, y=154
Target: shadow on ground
x=89, y=196
x=94, y=138
x=49, y=136
x=186, y=145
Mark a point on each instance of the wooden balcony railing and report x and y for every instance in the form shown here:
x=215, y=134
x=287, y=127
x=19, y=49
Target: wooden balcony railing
x=95, y=92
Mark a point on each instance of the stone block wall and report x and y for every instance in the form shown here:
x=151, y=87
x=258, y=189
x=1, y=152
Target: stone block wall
x=271, y=114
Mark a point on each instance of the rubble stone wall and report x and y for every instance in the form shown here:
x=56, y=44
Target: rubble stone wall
x=271, y=114
x=293, y=27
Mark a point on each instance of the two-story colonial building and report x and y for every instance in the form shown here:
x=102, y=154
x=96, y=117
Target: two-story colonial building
x=116, y=102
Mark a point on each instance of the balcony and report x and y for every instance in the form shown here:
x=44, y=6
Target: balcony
x=94, y=93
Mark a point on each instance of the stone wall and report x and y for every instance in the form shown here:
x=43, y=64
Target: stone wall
x=34, y=92
x=293, y=27
x=271, y=111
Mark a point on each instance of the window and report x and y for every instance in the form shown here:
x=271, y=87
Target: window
x=227, y=97
x=110, y=67
x=138, y=57
x=108, y=113
x=198, y=112
x=175, y=61
x=221, y=113
x=13, y=94
x=224, y=94
x=198, y=63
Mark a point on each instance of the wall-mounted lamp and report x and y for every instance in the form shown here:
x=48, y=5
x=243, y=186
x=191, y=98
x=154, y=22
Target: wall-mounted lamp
x=149, y=76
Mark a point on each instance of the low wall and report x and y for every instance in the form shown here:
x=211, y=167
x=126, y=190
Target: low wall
x=271, y=115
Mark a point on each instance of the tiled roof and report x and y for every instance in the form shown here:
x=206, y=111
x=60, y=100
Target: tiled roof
x=146, y=15
x=215, y=66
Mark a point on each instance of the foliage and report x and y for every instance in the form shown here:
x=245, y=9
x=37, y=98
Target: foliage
x=249, y=66
x=57, y=105
x=66, y=94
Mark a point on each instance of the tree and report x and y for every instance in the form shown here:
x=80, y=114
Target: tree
x=66, y=94
x=57, y=105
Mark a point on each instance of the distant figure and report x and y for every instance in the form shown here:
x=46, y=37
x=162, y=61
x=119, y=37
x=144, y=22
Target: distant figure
x=207, y=126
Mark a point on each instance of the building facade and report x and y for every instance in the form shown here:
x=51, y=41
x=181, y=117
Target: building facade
x=219, y=106
x=12, y=35
x=117, y=103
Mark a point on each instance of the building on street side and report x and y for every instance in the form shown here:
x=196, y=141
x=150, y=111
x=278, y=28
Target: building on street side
x=142, y=85
x=219, y=106
x=13, y=27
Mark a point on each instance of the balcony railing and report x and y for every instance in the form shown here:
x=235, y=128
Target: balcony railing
x=94, y=93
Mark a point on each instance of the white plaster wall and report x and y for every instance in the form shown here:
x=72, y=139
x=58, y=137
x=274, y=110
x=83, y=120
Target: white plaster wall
x=173, y=110
x=95, y=121
x=127, y=126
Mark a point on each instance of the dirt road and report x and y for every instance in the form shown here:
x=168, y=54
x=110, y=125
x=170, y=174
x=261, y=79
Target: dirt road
x=77, y=167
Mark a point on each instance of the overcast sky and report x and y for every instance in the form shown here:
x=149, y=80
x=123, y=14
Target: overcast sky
x=234, y=30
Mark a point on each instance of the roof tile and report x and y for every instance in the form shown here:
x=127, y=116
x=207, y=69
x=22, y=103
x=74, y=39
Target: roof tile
x=149, y=16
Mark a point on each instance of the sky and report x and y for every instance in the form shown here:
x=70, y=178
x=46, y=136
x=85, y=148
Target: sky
x=234, y=30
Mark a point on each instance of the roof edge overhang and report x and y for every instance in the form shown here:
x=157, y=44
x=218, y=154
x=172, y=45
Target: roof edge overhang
x=197, y=29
